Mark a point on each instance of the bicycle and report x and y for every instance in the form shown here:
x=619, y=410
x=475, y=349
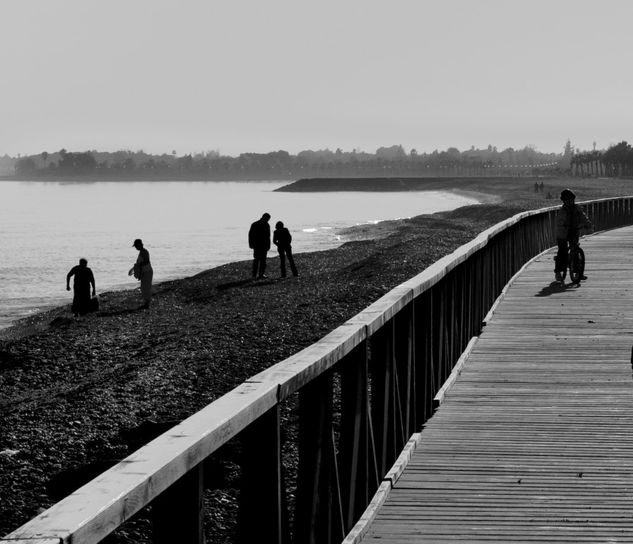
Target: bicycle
x=575, y=262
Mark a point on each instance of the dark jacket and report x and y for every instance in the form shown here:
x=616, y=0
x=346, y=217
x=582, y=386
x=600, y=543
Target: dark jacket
x=282, y=238
x=84, y=277
x=569, y=219
x=259, y=235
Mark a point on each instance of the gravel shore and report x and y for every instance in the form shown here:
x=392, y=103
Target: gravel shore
x=75, y=389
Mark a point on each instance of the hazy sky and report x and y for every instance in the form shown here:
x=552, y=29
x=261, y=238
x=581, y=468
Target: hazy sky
x=263, y=75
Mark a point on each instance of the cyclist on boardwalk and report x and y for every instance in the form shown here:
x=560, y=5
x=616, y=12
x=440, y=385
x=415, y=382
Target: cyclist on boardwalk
x=569, y=221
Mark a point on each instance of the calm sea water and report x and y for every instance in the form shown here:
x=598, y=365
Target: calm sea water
x=45, y=227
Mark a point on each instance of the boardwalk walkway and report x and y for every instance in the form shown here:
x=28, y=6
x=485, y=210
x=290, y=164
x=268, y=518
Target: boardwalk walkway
x=534, y=442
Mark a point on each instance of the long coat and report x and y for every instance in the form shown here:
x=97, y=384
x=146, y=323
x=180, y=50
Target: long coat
x=259, y=235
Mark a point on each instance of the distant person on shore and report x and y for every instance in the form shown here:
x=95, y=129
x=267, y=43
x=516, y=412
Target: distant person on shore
x=142, y=270
x=282, y=239
x=84, y=279
x=569, y=221
x=259, y=242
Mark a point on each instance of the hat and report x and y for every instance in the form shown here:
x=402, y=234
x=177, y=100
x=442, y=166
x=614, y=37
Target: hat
x=567, y=193
x=136, y=242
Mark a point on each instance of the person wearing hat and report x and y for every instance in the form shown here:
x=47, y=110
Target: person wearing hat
x=142, y=270
x=570, y=219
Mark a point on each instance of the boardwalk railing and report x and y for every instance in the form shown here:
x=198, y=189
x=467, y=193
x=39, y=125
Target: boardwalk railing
x=359, y=392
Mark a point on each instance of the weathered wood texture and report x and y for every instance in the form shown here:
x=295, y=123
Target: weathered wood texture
x=534, y=441
x=400, y=349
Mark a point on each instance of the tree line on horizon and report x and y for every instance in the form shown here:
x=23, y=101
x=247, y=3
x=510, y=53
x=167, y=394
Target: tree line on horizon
x=211, y=165
x=616, y=161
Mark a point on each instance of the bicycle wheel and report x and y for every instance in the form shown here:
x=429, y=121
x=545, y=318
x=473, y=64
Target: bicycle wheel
x=576, y=264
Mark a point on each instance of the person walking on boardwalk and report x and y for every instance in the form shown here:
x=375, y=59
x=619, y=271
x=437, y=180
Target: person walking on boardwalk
x=142, y=270
x=84, y=279
x=570, y=219
x=282, y=239
x=259, y=242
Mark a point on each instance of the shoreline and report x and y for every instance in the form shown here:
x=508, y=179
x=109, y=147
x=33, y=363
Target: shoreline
x=75, y=390
x=32, y=321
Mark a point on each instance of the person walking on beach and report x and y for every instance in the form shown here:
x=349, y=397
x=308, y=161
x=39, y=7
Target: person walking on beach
x=142, y=270
x=282, y=239
x=84, y=279
x=259, y=242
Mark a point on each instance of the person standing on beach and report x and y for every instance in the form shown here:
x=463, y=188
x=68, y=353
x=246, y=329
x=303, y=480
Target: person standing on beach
x=84, y=278
x=259, y=242
x=142, y=270
x=282, y=239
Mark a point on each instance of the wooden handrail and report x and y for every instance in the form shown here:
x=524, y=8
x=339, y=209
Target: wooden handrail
x=400, y=349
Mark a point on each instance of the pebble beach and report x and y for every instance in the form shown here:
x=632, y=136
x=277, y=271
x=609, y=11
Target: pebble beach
x=74, y=388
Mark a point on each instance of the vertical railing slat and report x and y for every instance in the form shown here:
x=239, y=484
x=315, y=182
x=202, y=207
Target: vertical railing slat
x=177, y=513
x=263, y=509
x=313, y=509
x=354, y=441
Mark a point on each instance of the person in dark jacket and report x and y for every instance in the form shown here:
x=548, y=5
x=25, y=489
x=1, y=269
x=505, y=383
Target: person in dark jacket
x=282, y=239
x=259, y=242
x=570, y=219
x=84, y=279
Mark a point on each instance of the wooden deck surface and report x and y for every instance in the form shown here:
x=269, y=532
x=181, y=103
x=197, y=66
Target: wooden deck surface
x=534, y=441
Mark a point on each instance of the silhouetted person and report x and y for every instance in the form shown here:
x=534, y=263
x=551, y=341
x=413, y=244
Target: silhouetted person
x=142, y=270
x=541, y=187
x=536, y=186
x=84, y=278
x=259, y=242
x=569, y=221
x=282, y=239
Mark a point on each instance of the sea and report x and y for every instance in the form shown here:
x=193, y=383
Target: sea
x=188, y=227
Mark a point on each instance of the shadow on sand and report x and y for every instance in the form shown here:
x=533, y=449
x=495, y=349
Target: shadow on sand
x=124, y=311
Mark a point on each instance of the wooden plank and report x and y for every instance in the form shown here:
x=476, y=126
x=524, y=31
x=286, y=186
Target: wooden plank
x=457, y=369
x=34, y=540
x=534, y=442
x=360, y=528
x=96, y=509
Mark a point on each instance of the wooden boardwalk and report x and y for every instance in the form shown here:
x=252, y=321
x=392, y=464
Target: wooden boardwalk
x=534, y=441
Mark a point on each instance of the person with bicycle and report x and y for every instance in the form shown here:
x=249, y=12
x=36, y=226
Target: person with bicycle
x=570, y=220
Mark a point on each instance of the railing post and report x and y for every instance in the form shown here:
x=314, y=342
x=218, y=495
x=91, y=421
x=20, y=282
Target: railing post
x=263, y=510
x=383, y=397
x=403, y=347
x=423, y=376
x=354, y=440
x=177, y=513
x=314, y=522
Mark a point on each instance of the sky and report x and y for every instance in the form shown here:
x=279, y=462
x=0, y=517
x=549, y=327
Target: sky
x=242, y=76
